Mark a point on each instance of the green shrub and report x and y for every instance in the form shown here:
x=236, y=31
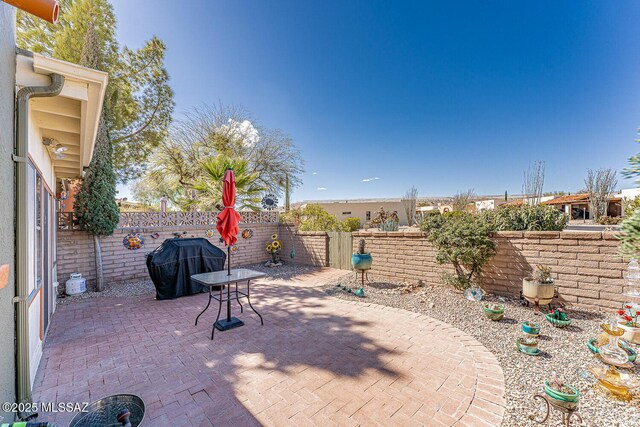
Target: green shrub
x=609, y=220
x=462, y=240
x=351, y=224
x=526, y=218
x=315, y=218
x=630, y=206
x=294, y=216
x=630, y=235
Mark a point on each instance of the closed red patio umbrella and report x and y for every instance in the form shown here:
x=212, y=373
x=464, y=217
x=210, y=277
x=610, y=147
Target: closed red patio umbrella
x=229, y=219
x=228, y=227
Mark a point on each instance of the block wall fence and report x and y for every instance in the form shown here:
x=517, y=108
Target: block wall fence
x=585, y=265
x=75, y=250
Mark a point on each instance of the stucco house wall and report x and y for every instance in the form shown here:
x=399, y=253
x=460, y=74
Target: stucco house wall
x=358, y=209
x=7, y=84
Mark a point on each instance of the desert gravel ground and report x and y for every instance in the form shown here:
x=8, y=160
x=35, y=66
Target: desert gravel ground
x=564, y=349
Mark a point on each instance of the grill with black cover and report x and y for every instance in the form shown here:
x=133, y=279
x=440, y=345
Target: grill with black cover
x=172, y=264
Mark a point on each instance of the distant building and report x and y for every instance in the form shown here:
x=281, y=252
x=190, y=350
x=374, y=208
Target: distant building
x=577, y=205
x=366, y=209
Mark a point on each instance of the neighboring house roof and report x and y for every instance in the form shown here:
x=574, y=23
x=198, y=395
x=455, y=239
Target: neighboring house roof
x=72, y=117
x=565, y=200
x=517, y=202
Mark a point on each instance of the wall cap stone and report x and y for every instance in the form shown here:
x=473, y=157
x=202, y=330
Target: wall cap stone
x=508, y=234
x=610, y=235
x=587, y=235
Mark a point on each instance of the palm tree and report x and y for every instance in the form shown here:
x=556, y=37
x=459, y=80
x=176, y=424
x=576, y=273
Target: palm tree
x=209, y=187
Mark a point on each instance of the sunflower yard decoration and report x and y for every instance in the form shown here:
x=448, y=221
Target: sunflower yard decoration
x=273, y=248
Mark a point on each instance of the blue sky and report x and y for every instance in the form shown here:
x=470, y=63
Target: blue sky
x=441, y=95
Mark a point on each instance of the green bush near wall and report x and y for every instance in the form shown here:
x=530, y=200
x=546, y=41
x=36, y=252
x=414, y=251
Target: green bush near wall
x=462, y=240
x=526, y=218
x=351, y=224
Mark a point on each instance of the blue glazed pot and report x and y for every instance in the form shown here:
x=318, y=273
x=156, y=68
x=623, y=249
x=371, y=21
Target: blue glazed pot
x=530, y=328
x=361, y=261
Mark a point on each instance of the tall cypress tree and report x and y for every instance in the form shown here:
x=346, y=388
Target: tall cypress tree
x=95, y=206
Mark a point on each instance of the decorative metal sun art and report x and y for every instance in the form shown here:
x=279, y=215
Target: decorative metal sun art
x=210, y=233
x=235, y=249
x=133, y=241
x=247, y=233
x=269, y=202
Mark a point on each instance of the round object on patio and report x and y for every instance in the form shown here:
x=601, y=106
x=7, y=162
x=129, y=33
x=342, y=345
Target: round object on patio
x=76, y=284
x=112, y=411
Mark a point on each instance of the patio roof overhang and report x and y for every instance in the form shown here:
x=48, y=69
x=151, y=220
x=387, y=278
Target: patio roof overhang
x=72, y=117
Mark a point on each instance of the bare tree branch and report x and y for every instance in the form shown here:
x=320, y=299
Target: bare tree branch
x=534, y=182
x=600, y=185
x=409, y=203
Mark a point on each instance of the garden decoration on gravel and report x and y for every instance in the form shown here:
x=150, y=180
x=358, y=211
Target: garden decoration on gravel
x=528, y=343
x=558, y=318
x=357, y=292
x=494, y=310
x=629, y=314
x=539, y=288
x=561, y=397
x=474, y=294
x=273, y=248
x=620, y=384
x=361, y=261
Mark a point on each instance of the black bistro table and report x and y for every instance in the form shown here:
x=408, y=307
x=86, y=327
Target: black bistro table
x=218, y=280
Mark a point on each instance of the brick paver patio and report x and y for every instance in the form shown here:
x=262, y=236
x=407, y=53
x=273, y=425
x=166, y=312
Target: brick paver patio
x=316, y=361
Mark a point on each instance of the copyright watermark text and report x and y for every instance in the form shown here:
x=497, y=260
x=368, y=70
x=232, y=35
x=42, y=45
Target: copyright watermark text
x=30, y=407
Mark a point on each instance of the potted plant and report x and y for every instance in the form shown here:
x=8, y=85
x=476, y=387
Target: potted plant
x=539, y=288
x=494, y=310
x=629, y=320
x=562, y=394
x=273, y=248
x=361, y=260
x=558, y=318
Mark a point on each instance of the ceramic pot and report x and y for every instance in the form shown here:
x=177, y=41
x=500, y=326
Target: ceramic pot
x=631, y=334
x=361, y=261
x=572, y=396
x=494, y=311
x=527, y=345
x=557, y=322
x=538, y=293
x=530, y=328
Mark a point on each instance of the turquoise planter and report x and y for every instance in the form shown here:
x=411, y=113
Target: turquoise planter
x=556, y=394
x=361, y=261
x=530, y=328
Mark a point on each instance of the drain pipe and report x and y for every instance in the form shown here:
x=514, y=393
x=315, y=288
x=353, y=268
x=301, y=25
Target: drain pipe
x=23, y=375
x=45, y=9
